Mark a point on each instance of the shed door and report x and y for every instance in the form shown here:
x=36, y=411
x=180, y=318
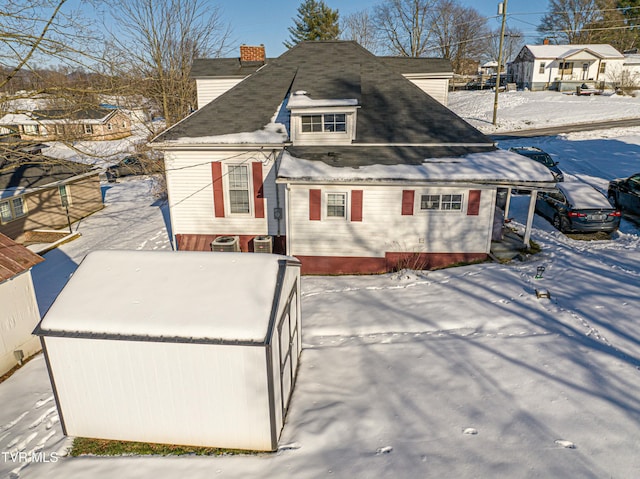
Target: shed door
x=289, y=342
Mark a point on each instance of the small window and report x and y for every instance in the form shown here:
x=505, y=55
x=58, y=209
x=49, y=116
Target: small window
x=31, y=129
x=430, y=202
x=311, y=123
x=330, y=122
x=11, y=209
x=59, y=129
x=603, y=67
x=239, y=189
x=88, y=129
x=336, y=205
x=566, y=68
x=64, y=195
x=109, y=126
x=542, y=66
x=441, y=202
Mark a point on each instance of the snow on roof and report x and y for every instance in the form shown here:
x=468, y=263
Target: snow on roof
x=583, y=196
x=181, y=294
x=562, y=51
x=498, y=165
x=300, y=100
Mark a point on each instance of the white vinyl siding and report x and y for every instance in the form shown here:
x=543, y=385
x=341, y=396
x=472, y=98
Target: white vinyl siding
x=211, y=88
x=438, y=88
x=19, y=315
x=190, y=191
x=385, y=229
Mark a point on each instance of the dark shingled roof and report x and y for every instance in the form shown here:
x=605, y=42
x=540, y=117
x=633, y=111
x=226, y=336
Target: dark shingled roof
x=223, y=67
x=84, y=114
x=15, y=258
x=34, y=171
x=392, y=109
x=359, y=156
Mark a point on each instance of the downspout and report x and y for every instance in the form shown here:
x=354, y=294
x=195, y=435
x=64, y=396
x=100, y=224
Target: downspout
x=278, y=210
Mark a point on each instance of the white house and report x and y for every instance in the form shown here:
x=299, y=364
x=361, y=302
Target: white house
x=343, y=162
x=183, y=348
x=19, y=312
x=564, y=67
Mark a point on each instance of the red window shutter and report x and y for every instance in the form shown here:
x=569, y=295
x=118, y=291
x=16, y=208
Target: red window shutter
x=356, y=205
x=473, y=208
x=258, y=193
x=218, y=189
x=407, y=202
x=315, y=205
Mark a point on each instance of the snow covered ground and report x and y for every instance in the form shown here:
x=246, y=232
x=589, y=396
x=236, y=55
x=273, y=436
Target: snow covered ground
x=519, y=110
x=461, y=372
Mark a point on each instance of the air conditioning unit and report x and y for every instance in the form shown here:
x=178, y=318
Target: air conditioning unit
x=226, y=244
x=263, y=244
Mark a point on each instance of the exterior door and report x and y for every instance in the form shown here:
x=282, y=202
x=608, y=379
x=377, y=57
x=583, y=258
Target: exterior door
x=585, y=71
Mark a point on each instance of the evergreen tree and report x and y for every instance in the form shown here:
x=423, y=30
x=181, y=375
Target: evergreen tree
x=315, y=21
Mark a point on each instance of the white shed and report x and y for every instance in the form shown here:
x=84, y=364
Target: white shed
x=190, y=348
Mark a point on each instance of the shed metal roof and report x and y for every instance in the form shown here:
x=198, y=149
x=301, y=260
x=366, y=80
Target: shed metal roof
x=168, y=296
x=15, y=258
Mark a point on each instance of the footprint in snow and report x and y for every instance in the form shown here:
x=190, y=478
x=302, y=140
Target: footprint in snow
x=384, y=450
x=565, y=444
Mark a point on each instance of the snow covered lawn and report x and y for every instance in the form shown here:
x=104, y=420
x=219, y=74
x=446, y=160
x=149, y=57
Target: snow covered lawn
x=461, y=372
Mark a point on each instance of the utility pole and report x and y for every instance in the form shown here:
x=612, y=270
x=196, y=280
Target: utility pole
x=502, y=9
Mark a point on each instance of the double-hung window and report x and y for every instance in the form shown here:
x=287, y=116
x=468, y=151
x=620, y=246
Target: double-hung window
x=440, y=202
x=336, y=205
x=542, y=66
x=239, y=189
x=330, y=122
x=11, y=209
x=88, y=129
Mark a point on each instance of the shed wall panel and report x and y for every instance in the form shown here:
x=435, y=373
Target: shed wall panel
x=18, y=316
x=179, y=393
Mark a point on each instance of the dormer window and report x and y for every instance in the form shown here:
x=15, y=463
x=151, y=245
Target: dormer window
x=322, y=121
x=330, y=123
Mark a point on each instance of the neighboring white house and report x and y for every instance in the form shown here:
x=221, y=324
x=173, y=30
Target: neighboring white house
x=183, y=348
x=19, y=312
x=343, y=162
x=565, y=67
x=632, y=69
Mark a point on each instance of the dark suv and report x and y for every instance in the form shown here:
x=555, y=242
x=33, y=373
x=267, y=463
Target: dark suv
x=624, y=193
x=540, y=156
x=133, y=165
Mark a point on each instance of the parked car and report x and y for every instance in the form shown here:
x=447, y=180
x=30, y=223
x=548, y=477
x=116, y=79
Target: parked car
x=473, y=85
x=577, y=207
x=624, y=193
x=133, y=165
x=540, y=156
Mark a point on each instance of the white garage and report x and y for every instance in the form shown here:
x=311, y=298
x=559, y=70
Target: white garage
x=190, y=348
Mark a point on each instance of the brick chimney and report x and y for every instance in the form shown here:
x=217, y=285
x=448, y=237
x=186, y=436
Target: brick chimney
x=252, y=54
x=545, y=41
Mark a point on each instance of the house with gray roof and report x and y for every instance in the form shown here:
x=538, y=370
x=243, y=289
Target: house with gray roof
x=37, y=192
x=565, y=67
x=329, y=154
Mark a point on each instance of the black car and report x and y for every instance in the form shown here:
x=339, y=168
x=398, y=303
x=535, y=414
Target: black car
x=577, y=207
x=624, y=193
x=133, y=165
x=540, y=156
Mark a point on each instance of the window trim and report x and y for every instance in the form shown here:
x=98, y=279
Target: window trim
x=88, y=129
x=323, y=123
x=441, y=202
x=228, y=167
x=541, y=68
x=10, y=203
x=345, y=206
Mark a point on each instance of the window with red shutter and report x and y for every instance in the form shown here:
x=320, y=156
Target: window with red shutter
x=258, y=193
x=315, y=205
x=356, y=205
x=218, y=189
x=473, y=207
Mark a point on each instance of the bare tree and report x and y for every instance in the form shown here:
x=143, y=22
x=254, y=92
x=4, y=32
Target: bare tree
x=405, y=26
x=458, y=33
x=614, y=27
x=156, y=42
x=360, y=27
x=513, y=43
x=567, y=20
